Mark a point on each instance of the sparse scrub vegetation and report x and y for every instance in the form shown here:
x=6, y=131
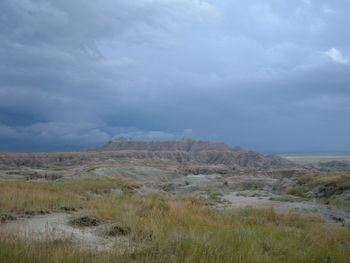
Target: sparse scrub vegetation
x=328, y=187
x=97, y=166
x=339, y=202
x=85, y=221
x=253, y=194
x=119, y=229
x=55, y=168
x=285, y=199
x=213, y=198
x=7, y=217
x=331, y=183
x=250, y=186
x=297, y=191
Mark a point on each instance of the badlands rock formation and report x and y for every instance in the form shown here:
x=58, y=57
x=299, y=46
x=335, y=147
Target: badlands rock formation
x=182, y=151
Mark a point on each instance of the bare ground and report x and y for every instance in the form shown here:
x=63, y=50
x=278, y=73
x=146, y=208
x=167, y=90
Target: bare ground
x=56, y=227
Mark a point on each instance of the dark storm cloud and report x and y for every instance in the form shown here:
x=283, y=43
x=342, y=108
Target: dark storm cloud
x=269, y=75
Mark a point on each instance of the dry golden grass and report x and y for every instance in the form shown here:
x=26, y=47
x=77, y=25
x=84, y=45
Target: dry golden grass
x=173, y=229
x=21, y=196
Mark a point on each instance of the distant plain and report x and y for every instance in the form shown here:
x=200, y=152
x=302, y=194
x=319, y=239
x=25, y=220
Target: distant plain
x=313, y=158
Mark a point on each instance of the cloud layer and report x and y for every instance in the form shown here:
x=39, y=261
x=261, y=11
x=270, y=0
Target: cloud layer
x=272, y=76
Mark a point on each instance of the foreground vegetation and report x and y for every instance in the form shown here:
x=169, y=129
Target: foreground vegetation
x=169, y=229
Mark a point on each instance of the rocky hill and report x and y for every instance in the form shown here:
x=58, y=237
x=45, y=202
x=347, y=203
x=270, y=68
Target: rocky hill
x=182, y=151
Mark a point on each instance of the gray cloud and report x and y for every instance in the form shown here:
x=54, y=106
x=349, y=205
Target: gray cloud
x=271, y=76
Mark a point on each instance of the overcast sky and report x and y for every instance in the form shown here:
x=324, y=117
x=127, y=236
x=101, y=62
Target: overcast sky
x=269, y=75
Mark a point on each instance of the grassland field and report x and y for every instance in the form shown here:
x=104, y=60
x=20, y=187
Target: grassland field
x=169, y=229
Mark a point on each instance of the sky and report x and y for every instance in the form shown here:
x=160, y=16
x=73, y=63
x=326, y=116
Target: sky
x=271, y=76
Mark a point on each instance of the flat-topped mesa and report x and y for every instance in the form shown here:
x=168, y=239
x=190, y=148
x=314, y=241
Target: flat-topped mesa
x=184, y=145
